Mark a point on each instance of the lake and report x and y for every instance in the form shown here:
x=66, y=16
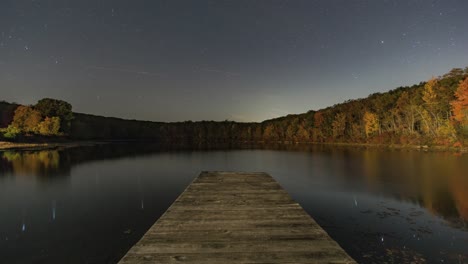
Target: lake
x=91, y=204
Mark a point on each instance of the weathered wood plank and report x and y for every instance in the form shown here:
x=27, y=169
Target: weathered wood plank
x=239, y=257
x=225, y=217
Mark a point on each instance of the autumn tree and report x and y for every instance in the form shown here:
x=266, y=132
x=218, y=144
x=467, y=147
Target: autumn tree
x=50, y=126
x=26, y=119
x=405, y=113
x=428, y=113
x=460, y=105
x=446, y=133
x=291, y=131
x=436, y=108
x=11, y=132
x=317, y=134
x=371, y=123
x=269, y=133
x=56, y=108
x=303, y=134
x=318, y=119
x=382, y=105
x=339, y=125
x=429, y=95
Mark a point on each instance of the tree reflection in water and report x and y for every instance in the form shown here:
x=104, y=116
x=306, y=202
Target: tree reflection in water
x=370, y=200
x=42, y=164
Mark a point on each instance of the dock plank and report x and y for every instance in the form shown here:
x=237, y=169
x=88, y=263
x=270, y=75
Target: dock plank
x=231, y=217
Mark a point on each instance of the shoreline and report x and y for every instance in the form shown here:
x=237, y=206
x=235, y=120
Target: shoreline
x=7, y=145
x=425, y=148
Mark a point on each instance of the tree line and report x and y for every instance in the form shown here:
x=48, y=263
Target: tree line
x=48, y=117
x=432, y=112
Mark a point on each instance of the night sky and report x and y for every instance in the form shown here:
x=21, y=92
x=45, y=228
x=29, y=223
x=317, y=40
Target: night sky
x=215, y=60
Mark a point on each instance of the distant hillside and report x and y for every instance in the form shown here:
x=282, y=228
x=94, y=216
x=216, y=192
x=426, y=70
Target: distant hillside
x=430, y=112
x=419, y=114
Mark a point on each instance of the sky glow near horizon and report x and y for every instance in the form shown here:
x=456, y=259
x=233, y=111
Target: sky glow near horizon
x=216, y=60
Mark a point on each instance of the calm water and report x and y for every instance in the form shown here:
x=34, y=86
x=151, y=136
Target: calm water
x=91, y=204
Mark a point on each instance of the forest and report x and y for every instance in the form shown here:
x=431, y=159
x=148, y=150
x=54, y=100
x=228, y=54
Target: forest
x=434, y=112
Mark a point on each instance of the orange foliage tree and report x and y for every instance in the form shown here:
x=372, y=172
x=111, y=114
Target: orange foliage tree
x=339, y=125
x=460, y=105
x=371, y=123
x=26, y=118
x=317, y=134
x=50, y=126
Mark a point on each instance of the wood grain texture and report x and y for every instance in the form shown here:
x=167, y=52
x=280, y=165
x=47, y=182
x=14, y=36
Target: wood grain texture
x=232, y=217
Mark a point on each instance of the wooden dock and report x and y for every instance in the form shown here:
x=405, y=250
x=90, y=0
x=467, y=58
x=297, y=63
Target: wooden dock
x=227, y=217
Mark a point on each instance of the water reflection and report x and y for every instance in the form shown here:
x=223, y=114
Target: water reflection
x=45, y=163
x=436, y=181
x=364, y=198
x=57, y=163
